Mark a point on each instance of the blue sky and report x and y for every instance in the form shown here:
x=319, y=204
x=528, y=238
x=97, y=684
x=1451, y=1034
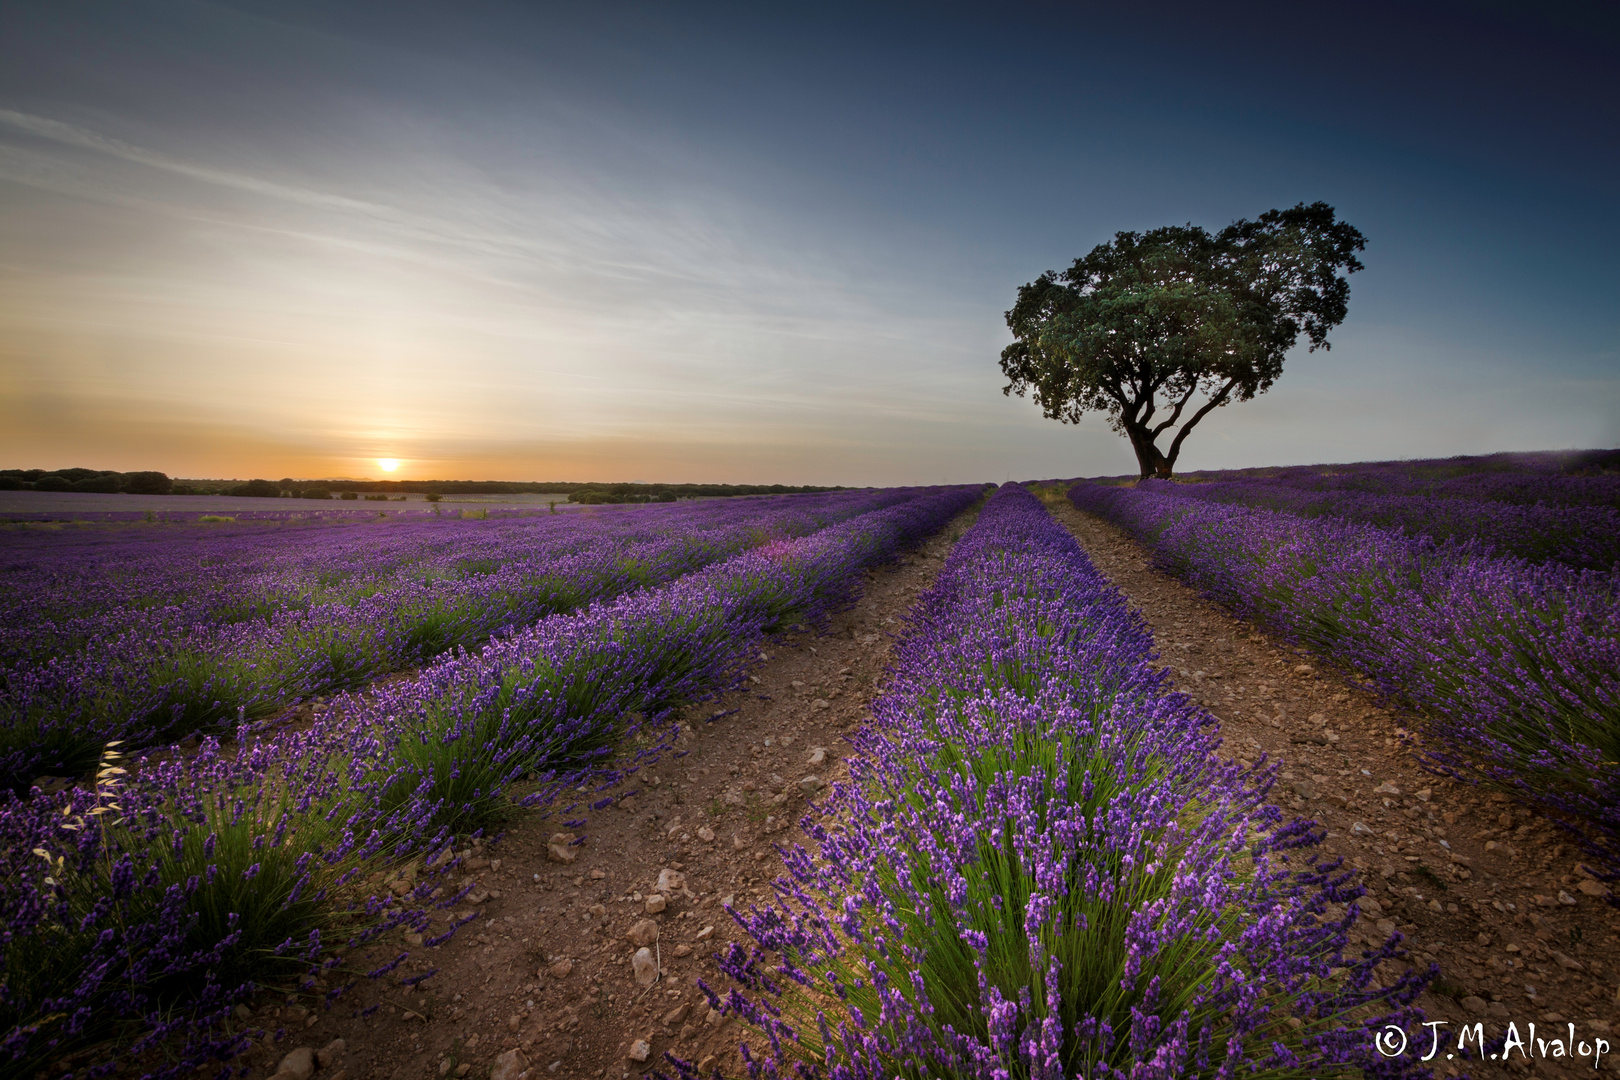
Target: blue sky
x=738, y=243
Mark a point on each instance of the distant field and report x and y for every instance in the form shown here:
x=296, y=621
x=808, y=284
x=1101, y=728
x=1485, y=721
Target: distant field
x=60, y=504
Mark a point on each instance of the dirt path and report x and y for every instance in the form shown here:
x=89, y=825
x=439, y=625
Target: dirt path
x=1477, y=884
x=547, y=968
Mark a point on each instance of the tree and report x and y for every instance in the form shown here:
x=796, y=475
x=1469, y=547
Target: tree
x=1151, y=320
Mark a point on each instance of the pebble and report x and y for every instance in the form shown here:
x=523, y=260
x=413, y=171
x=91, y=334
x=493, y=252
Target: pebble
x=509, y=1065
x=655, y=903
x=559, y=848
x=644, y=967
x=560, y=969
x=676, y=1015
x=639, y=1050
x=811, y=784
x=817, y=756
x=683, y=950
x=298, y=1065
x=643, y=933
x=705, y=932
x=328, y=1055
x=670, y=881
x=705, y=833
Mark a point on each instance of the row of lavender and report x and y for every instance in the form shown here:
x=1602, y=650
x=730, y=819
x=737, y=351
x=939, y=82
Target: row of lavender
x=1583, y=537
x=142, y=660
x=138, y=914
x=1041, y=869
x=1554, y=478
x=1516, y=667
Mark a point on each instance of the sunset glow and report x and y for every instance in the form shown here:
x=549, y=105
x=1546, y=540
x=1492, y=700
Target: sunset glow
x=388, y=464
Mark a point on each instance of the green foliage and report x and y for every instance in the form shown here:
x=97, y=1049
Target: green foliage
x=1151, y=320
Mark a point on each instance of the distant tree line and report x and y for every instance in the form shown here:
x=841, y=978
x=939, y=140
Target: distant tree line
x=99, y=480
x=156, y=483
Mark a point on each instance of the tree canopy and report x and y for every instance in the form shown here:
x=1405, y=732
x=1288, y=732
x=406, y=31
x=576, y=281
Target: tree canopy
x=1146, y=323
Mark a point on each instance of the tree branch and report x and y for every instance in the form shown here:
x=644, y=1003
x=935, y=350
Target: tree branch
x=1220, y=396
x=1176, y=414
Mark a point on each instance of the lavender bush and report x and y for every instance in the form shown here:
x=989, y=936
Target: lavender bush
x=1515, y=667
x=1583, y=537
x=136, y=914
x=1041, y=869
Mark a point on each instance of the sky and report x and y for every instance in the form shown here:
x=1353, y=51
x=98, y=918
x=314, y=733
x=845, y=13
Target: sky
x=769, y=243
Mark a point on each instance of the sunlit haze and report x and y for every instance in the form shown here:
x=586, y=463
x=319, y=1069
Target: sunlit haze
x=762, y=244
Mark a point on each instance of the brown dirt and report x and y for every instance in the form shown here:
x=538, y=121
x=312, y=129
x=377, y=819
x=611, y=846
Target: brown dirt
x=1487, y=908
x=546, y=968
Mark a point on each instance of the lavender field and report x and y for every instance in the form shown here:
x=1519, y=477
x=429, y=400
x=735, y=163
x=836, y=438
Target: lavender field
x=143, y=904
x=1444, y=585
x=150, y=635
x=1042, y=863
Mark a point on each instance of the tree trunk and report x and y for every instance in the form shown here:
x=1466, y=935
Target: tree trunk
x=1149, y=460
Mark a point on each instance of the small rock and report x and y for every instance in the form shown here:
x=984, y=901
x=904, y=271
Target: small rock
x=299, y=1064
x=644, y=967
x=715, y=1018
x=811, y=784
x=821, y=703
x=1568, y=962
x=817, y=757
x=1317, y=719
x=560, y=848
x=1425, y=795
x=473, y=1041
x=705, y=833
x=705, y=932
x=1303, y=669
x=1360, y=829
x=560, y=969
x=597, y=875
x=683, y=950
x=1304, y=789
x=639, y=1050
x=1566, y=899
x=676, y=1015
x=329, y=1054
x=243, y=1012
x=643, y=933
x=1474, y=1004
x=413, y=939
x=508, y=1065
x=514, y=1022
x=670, y=881
x=1591, y=888
x=708, y=1062
x=737, y=842
x=655, y=903
x=1386, y=788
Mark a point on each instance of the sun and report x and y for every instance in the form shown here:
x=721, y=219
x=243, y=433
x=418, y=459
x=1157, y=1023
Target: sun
x=388, y=464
